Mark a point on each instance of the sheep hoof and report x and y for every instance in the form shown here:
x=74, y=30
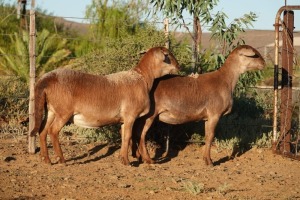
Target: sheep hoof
x=149, y=161
x=61, y=160
x=139, y=159
x=62, y=164
x=137, y=154
x=46, y=160
x=124, y=161
x=208, y=161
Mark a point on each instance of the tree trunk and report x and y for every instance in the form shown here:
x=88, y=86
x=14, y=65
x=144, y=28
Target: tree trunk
x=197, y=43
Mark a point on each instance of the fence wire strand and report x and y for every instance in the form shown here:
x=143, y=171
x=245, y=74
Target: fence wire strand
x=158, y=22
x=295, y=95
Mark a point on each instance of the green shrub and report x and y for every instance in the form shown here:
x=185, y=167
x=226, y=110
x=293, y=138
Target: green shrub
x=119, y=54
x=14, y=96
x=193, y=187
x=87, y=135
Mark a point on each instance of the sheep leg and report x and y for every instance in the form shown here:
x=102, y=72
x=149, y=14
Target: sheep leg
x=210, y=126
x=142, y=146
x=132, y=144
x=43, y=145
x=126, y=130
x=54, y=133
x=122, y=143
x=136, y=130
x=134, y=148
x=43, y=139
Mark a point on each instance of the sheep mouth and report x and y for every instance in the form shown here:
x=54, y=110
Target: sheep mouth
x=260, y=67
x=174, y=71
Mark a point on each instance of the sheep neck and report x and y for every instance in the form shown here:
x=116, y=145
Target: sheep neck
x=230, y=75
x=146, y=76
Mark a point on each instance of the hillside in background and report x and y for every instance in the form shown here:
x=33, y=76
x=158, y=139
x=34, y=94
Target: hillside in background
x=80, y=28
x=259, y=39
x=262, y=40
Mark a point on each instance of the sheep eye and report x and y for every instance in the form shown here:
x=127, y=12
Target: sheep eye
x=253, y=56
x=167, y=59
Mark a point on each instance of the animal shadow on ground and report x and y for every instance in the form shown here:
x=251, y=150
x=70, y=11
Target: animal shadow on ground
x=160, y=156
x=110, y=150
x=182, y=135
x=157, y=135
x=225, y=159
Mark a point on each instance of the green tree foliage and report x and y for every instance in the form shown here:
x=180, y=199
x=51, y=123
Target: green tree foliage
x=120, y=54
x=201, y=9
x=224, y=38
x=201, y=12
x=8, y=22
x=50, y=51
x=227, y=37
x=15, y=60
x=109, y=20
x=44, y=20
x=77, y=43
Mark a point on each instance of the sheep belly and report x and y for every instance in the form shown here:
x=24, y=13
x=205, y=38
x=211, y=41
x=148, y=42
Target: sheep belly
x=90, y=122
x=171, y=118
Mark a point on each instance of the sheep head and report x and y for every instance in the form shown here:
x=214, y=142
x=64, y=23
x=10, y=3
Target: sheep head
x=160, y=61
x=247, y=58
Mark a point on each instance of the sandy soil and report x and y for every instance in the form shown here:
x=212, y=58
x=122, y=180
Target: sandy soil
x=93, y=171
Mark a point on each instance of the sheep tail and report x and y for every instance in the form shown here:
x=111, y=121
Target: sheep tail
x=39, y=107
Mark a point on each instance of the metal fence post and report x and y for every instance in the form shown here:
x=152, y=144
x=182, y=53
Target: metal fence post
x=286, y=84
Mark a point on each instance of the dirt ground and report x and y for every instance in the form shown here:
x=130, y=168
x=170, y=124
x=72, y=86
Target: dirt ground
x=93, y=171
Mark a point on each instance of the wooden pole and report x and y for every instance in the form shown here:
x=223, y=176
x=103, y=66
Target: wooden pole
x=196, y=41
x=166, y=25
x=32, y=37
x=286, y=85
x=23, y=21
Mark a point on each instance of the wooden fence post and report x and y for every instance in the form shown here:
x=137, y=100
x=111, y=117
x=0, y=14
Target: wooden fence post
x=32, y=55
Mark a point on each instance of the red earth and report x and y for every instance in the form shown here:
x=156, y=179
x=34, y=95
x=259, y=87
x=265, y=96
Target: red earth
x=93, y=171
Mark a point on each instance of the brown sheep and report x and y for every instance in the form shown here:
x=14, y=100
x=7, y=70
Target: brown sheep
x=181, y=99
x=92, y=100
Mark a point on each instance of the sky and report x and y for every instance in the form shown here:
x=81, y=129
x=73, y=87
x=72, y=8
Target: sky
x=265, y=9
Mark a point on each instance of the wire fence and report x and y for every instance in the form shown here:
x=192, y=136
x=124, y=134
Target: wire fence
x=21, y=98
x=288, y=103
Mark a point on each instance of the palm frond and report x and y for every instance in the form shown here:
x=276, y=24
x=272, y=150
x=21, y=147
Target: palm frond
x=57, y=57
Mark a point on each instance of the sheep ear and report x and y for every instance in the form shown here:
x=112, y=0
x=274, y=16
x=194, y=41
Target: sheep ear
x=248, y=52
x=143, y=52
x=164, y=51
